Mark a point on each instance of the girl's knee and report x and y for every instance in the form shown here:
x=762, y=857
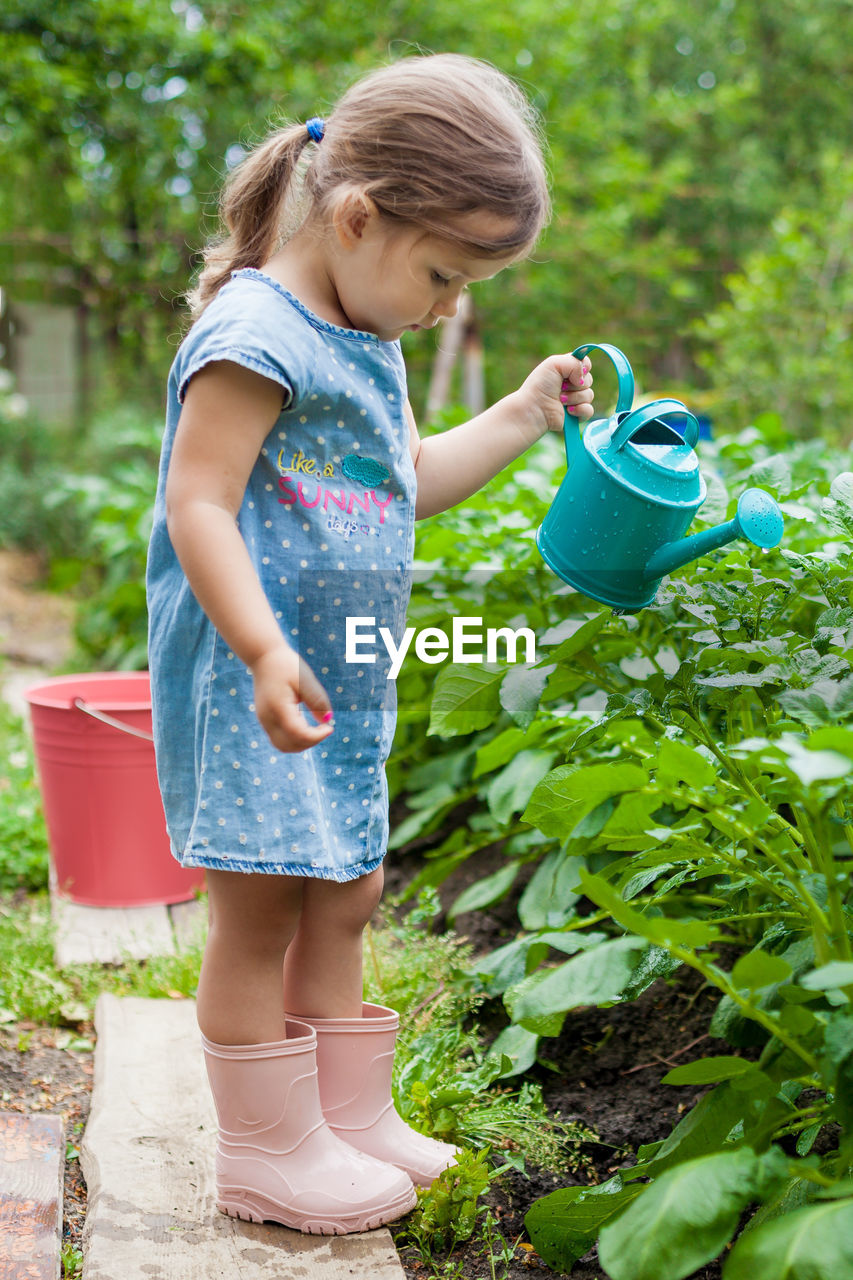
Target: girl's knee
x=372, y=890
x=349, y=905
x=359, y=898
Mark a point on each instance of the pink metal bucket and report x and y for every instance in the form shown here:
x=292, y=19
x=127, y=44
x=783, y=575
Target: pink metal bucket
x=96, y=766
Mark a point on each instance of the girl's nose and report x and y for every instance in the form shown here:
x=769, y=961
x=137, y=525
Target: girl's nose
x=446, y=307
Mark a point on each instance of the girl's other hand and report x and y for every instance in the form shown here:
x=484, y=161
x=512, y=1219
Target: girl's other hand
x=283, y=681
x=560, y=382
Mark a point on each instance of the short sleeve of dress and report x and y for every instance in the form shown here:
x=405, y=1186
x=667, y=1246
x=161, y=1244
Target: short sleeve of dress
x=245, y=324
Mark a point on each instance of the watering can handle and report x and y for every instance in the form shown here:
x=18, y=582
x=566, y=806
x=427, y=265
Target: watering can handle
x=624, y=400
x=648, y=413
x=625, y=394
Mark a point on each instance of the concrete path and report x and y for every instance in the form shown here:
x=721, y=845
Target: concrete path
x=109, y=935
x=147, y=1156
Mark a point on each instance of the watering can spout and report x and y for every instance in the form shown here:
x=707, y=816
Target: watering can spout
x=758, y=519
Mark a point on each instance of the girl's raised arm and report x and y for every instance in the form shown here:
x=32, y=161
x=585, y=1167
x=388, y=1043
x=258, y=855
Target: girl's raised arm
x=228, y=413
x=453, y=465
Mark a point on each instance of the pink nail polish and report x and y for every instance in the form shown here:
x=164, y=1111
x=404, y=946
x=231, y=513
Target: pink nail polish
x=328, y=716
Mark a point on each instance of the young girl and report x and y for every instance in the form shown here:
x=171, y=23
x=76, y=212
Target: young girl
x=291, y=477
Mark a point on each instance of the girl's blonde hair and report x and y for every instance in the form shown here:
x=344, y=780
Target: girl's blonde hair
x=429, y=139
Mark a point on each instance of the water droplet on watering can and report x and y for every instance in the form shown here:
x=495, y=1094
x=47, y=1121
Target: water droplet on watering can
x=603, y=493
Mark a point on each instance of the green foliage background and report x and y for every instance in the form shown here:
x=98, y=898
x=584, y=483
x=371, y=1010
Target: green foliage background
x=700, y=156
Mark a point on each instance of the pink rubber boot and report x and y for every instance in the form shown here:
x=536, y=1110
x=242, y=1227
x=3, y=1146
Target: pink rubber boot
x=277, y=1159
x=354, y=1059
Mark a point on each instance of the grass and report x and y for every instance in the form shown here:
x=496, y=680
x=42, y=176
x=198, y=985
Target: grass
x=33, y=989
x=23, y=836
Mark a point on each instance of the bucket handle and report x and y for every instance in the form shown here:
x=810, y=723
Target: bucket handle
x=111, y=721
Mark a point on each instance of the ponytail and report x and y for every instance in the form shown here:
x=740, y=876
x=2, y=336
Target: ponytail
x=251, y=209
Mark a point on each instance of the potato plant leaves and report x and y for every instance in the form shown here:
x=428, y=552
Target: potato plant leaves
x=681, y=781
x=568, y=793
x=682, y=1220
x=812, y=1243
x=597, y=976
x=563, y=1226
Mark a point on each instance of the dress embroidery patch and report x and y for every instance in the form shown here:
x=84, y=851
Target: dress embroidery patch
x=366, y=471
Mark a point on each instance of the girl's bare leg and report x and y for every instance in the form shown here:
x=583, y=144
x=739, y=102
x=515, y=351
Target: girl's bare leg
x=322, y=968
x=252, y=921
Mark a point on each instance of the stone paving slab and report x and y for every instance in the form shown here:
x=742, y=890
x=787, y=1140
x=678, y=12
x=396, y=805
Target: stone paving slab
x=109, y=935
x=32, y=1161
x=147, y=1155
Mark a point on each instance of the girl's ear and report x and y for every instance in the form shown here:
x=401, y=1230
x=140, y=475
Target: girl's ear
x=352, y=213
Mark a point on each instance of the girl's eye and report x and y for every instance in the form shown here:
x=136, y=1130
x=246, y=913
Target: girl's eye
x=439, y=278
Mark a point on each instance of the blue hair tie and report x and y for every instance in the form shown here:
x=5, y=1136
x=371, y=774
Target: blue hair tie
x=316, y=128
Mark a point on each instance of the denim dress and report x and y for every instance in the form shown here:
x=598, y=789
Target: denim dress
x=328, y=520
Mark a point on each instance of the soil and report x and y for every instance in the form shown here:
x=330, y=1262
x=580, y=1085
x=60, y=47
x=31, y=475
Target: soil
x=607, y=1063
x=35, y=626
x=37, y=1075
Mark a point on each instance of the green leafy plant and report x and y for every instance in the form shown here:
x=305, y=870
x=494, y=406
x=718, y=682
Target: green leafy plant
x=72, y=1261
x=687, y=771
x=446, y=1083
x=33, y=454
x=448, y=1210
x=663, y=107
x=792, y=293
x=106, y=568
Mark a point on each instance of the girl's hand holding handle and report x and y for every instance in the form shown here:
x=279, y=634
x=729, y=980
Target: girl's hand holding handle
x=451, y=465
x=560, y=382
x=283, y=681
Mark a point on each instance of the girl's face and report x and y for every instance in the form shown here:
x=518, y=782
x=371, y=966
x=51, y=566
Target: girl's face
x=393, y=279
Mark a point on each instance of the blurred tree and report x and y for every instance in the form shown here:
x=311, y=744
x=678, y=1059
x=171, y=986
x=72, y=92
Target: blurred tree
x=119, y=121
x=678, y=130
x=781, y=343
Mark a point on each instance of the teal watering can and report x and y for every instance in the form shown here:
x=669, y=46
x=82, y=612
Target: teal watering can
x=632, y=488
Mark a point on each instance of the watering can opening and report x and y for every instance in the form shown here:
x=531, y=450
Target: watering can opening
x=654, y=432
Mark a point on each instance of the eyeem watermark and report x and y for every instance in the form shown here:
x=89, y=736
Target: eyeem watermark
x=432, y=644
